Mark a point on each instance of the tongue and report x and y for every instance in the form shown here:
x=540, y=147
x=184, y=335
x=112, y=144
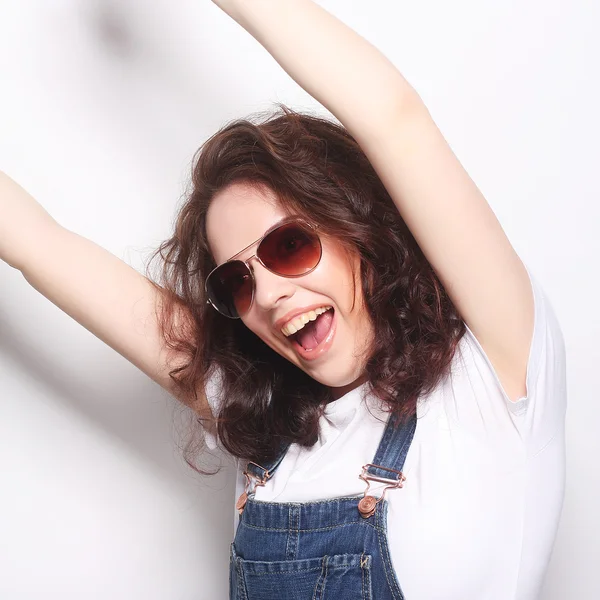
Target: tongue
x=314, y=332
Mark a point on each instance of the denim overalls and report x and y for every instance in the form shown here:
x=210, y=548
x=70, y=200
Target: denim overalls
x=334, y=549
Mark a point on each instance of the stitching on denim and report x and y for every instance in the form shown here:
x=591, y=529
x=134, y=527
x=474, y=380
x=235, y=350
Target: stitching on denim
x=281, y=530
x=325, y=573
x=366, y=571
x=387, y=564
x=286, y=573
x=241, y=581
x=291, y=547
x=311, y=503
x=316, y=588
x=362, y=573
x=391, y=585
x=317, y=585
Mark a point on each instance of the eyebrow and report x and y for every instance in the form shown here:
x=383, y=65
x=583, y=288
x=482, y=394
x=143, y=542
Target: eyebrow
x=274, y=226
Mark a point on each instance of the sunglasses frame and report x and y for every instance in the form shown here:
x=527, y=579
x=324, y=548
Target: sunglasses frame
x=246, y=262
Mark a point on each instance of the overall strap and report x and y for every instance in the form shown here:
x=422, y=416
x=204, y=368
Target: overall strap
x=391, y=452
x=260, y=474
x=386, y=467
x=388, y=462
x=394, y=445
x=265, y=472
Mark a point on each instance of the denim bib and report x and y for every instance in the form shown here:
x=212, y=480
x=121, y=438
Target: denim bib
x=335, y=549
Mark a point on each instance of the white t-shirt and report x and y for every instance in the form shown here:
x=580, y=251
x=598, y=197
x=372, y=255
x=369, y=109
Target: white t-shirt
x=480, y=507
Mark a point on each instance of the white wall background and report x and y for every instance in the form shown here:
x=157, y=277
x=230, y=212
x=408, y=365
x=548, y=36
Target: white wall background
x=102, y=104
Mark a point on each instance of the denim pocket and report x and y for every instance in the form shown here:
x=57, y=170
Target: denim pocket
x=346, y=576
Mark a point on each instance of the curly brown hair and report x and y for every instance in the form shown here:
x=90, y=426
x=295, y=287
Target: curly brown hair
x=316, y=169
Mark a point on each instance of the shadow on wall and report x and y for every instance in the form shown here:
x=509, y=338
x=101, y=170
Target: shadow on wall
x=171, y=63
x=132, y=409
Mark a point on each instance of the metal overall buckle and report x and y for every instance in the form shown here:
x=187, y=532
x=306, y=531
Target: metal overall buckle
x=368, y=504
x=241, y=502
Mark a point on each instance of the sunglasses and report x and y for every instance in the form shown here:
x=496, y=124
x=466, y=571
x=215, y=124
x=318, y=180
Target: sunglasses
x=290, y=249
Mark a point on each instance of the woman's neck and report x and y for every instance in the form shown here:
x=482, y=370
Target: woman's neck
x=338, y=392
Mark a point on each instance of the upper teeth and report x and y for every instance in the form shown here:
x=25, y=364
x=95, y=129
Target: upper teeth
x=300, y=321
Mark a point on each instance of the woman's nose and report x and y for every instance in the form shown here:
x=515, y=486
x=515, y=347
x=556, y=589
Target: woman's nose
x=270, y=289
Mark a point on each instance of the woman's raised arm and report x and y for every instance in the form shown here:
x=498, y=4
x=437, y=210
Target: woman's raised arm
x=100, y=291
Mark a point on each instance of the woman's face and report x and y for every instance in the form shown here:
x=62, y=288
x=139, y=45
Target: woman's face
x=237, y=217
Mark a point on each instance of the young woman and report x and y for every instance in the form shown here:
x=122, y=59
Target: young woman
x=389, y=375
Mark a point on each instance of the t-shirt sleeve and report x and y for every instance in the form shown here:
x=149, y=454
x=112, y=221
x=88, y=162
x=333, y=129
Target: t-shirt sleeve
x=539, y=414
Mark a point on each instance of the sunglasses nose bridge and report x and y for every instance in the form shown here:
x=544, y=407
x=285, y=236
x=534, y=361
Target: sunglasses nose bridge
x=250, y=258
x=269, y=286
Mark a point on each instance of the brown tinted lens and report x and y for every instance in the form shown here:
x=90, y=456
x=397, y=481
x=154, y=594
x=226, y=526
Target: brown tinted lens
x=229, y=288
x=290, y=250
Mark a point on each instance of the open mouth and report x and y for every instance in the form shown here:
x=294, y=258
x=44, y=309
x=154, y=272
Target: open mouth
x=314, y=336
